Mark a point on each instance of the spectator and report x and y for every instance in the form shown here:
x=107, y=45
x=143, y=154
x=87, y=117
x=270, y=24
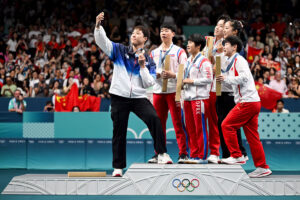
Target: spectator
x=67, y=88
x=280, y=107
x=97, y=84
x=294, y=87
x=104, y=91
x=283, y=62
x=272, y=73
x=107, y=75
x=76, y=109
x=278, y=84
x=86, y=88
x=40, y=86
x=256, y=72
x=297, y=62
x=259, y=44
x=49, y=107
x=17, y=104
x=9, y=88
x=12, y=44
x=55, y=89
x=266, y=77
x=53, y=41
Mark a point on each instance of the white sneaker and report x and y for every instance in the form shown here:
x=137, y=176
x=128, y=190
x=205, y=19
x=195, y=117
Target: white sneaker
x=213, y=159
x=195, y=161
x=117, y=173
x=182, y=159
x=234, y=161
x=153, y=159
x=260, y=172
x=164, y=158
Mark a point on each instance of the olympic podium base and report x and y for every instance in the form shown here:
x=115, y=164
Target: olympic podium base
x=155, y=179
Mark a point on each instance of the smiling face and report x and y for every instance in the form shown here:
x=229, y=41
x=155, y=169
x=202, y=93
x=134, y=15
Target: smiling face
x=228, y=30
x=229, y=50
x=192, y=48
x=219, y=29
x=166, y=35
x=137, y=37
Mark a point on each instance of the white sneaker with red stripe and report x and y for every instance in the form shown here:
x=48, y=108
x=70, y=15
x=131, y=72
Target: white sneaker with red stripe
x=234, y=161
x=260, y=172
x=117, y=173
x=164, y=158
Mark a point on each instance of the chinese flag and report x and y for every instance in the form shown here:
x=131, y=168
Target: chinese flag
x=270, y=64
x=66, y=103
x=252, y=52
x=268, y=96
x=85, y=102
x=89, y=103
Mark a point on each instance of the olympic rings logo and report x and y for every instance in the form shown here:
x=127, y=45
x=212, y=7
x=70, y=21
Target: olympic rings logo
x=185, y=184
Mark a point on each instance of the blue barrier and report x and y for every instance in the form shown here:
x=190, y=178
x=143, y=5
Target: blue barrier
x=37, y=104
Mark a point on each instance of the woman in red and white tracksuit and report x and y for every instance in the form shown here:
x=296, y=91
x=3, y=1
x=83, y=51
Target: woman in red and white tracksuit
x=246, y=111
x=197, y=79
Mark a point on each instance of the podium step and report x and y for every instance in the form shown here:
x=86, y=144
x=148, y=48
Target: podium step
x=155, y=179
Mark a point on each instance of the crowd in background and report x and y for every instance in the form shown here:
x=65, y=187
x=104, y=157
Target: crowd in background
x=46, y=46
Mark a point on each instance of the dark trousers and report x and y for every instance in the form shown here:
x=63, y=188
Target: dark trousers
x=120, y=110
x=224, y=104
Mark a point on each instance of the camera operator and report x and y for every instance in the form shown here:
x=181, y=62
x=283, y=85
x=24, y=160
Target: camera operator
x=49, y=107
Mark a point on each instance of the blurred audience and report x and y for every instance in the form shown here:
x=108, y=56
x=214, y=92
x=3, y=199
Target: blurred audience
x=46, y=46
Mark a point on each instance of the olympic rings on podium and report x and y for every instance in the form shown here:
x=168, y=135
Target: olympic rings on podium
x=185, y=184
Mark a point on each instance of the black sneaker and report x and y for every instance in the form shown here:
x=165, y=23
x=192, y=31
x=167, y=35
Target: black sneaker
x=154, y=159
x=183, y=158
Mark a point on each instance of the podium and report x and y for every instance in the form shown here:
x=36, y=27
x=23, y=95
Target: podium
x=157, y=179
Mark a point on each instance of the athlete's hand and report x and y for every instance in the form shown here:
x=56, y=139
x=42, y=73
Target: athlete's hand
x=220, y=78
x=188, y=81
x=158, y=75
x=99, y=19
x=142, y=60
x=168, y=74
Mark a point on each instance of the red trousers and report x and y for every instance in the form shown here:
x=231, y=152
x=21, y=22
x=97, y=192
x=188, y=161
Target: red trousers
x=195, y=121
x=214, y=138
x=244, y=115
x=162, y=104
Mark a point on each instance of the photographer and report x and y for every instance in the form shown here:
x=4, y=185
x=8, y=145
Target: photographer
x=49, y=107
x=17, y=104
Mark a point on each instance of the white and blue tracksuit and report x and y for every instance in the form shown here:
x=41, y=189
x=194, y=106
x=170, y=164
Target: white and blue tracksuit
x=129, y=80
x=128, y=94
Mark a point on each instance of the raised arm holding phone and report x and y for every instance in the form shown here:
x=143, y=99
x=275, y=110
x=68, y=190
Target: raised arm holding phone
x=134, y=71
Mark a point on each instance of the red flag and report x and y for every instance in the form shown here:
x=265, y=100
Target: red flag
x=268, y=96
x=270, y=64
x=66, y=103
x=89, y=103
x=252, y=52
x=85, y=102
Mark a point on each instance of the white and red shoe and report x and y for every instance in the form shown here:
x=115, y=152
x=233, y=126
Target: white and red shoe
x=260, y=172
x=117, y=173
x=164, y=158
x=234, y=161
